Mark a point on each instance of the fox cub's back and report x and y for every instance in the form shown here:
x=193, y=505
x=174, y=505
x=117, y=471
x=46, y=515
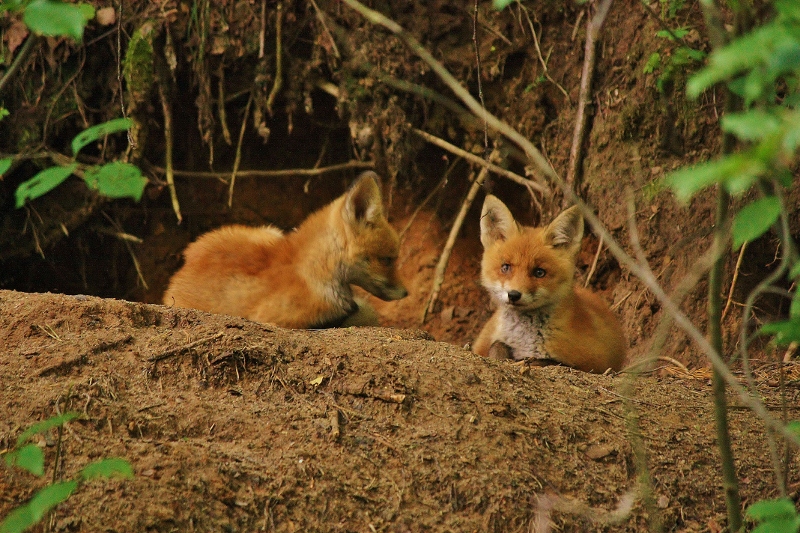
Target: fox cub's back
x=541, y=314
x=301, y=279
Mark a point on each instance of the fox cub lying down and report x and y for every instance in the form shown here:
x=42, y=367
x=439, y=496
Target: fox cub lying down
x=301, y=279
x=541, y=314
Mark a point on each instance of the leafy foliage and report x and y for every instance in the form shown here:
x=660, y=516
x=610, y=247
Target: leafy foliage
x=95, y=132
x=775, y=516
x=755, y=219
x=52, y=18
x=763, y=69
x=29, y=457
x=114, y=180
x=43, y=182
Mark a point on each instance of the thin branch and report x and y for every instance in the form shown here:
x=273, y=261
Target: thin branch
x=276, y=86
x=584, y=97
x=594, y=263
x=19, y=61
x=238, y=159
x=480, y=85
x=438, y=275
x=127, y=239
x=472, y=158
x=285, y=173
x=733, y=281
x=263, y=31
x=173, y=194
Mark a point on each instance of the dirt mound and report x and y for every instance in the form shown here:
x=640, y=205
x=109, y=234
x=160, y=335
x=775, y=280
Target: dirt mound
x=237, y=426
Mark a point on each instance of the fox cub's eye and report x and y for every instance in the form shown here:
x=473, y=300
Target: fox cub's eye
x=538, y=272
x=505, y=268
x=386, y=261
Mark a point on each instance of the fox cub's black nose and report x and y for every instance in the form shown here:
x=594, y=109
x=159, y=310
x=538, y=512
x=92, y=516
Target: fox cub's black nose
x=514, y=296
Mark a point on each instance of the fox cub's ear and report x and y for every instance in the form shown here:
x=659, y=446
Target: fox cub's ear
x=364, y=204
x=497, y=222
x=566, y=231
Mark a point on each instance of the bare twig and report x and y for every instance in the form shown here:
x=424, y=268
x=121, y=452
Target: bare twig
x=576, y=152
x=167, y=108
x=238, y=159
x=643, y=272
x=223, y=116
x=19, y=61
x=733, y=281
x=286, y=173
x=790, y=352
x=594, y=262
x=127, y=239
x=480, y=85
x=472, y=158
x=278, y=83
x=263, y=31
x=438, y=274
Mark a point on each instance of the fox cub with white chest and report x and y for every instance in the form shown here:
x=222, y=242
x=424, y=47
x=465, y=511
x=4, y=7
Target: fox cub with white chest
x=541, y=313
x=301, y=279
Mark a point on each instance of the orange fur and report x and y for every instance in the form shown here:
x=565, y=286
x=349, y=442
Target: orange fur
x=301, y=279
x=541, y=314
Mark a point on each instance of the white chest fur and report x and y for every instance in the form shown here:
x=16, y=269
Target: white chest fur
x=524, y=333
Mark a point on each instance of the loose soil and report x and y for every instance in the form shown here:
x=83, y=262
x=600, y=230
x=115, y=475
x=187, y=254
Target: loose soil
x=236, y=426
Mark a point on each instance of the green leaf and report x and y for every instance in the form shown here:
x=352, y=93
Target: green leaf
x=794, y=427
x=17, y=520
x=779, y=525
x=736, y=172
x=794, y=307
x=795, y=271
x=755, y=219
x=652, y=63
x=788, y=8
x=785, y=332
x=111, y=467
x=745, y=53
x=769, y=509
x=32, y=513
x=42, y=183
x=751, y=125
x=117, y=180
x=45, y=425
x=30, y=458
x=87, y=10
x=49, y=497
x=501, y=4
x=5, y=164
x=95, y=132
x=53, y=19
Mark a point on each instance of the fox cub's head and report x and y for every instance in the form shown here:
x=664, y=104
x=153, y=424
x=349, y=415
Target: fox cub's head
x=372, y=244
x=528, y=268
